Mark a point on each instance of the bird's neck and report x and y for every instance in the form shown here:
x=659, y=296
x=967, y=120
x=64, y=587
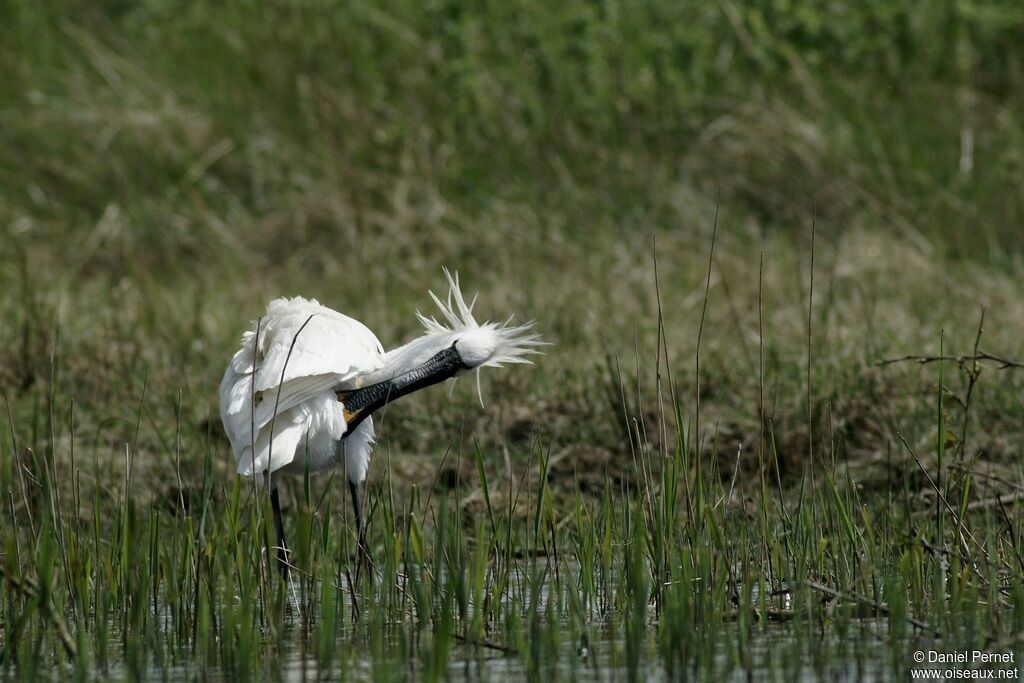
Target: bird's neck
x=361, y=403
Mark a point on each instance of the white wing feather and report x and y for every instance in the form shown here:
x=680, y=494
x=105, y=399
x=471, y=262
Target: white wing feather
x=328, y=351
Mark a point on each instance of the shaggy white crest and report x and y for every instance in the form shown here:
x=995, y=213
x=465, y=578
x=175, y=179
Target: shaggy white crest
x=486, y=345
x=481, y=345
x=489, y=344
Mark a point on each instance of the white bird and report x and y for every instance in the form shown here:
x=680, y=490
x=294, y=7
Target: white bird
x=300, y=391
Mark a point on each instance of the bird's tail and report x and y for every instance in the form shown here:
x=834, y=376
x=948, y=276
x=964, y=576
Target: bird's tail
x=488, y=344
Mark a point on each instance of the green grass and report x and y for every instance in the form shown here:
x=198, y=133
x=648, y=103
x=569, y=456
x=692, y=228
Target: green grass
x=166, y=169
x=674, y=573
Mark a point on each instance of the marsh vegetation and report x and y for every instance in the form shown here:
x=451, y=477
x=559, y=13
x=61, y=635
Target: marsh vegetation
x=725, y=217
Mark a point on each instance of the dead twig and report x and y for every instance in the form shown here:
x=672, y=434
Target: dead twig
x=491, y=645
x=771, y=614
x=997, y=501
x=984, y=475
x=1004, y=363
x=833, y=594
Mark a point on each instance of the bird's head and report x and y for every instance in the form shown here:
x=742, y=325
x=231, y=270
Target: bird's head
x=476, y=346
x=451, y=347
x=479, y=345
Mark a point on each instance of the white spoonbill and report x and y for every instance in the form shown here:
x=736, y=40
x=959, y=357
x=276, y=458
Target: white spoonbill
x=300, y=391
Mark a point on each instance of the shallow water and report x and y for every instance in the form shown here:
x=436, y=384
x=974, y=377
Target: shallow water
x=773, y=652
x=812, y=645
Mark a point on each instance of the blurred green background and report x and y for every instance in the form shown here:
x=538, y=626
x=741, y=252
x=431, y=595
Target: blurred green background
x=167, y=167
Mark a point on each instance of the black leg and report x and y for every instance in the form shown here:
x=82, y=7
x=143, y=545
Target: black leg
x=282, y=547
x=357, y=506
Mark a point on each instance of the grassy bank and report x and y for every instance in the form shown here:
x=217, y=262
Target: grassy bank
x=165, y=170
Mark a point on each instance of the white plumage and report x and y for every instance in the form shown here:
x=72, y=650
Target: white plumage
x=279, y=396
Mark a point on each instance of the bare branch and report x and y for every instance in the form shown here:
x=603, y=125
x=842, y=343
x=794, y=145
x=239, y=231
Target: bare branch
x=1004, y=363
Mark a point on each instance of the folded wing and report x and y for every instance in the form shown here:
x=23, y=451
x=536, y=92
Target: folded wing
x=279, y=387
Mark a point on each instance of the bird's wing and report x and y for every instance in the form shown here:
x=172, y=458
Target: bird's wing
x=321, y=341
x=321, y=415
x=297, y=351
